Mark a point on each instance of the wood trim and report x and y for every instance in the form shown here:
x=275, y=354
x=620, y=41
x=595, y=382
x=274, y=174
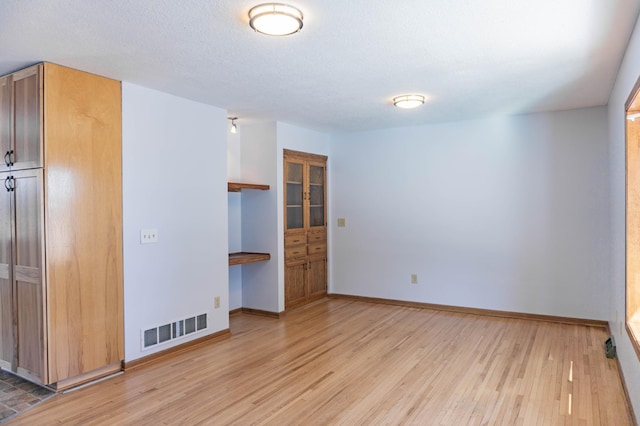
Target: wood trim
x=633, y=336
x=288, y=153
x=88, y=377
x=175, y=350
x=625, y=390
x=632, y=95
x=474, y=311
x=260, y=312
x=238, y=186
x=242, y=257
x=632, y=220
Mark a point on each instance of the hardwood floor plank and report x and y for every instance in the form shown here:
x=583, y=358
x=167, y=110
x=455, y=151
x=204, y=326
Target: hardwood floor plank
x=352, y=362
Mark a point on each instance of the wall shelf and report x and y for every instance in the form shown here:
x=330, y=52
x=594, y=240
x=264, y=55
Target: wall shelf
x=242, y=257
x=238, y=186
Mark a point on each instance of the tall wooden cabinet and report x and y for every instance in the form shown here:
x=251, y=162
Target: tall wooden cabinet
x=61, y=284
x=305, y=236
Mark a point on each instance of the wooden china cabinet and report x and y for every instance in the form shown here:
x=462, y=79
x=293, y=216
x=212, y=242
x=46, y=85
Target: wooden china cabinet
x=305, y=235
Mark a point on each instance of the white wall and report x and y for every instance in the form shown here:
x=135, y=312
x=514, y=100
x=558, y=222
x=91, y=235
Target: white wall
x=174, y=180
x=234, y=174
x=506, y=213
x=627, y=76
x=235, y=245
x=258, y=163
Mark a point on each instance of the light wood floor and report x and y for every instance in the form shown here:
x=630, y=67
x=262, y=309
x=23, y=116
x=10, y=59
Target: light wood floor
x=345, y=362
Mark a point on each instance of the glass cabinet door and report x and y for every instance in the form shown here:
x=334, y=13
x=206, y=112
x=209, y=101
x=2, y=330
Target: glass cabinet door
x=316, y=195
x=294, y=195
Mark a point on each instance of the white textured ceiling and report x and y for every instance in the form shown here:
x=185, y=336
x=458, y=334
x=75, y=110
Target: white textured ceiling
x=470, y=58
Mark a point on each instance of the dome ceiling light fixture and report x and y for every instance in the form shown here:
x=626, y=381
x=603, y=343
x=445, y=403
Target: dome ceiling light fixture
x=408, y=101
x=276, y=19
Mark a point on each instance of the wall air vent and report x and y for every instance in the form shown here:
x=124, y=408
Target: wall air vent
x=174, y=330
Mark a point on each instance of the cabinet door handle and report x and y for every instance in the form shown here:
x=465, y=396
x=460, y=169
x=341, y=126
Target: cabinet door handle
x=8, y=184
x=7, y=158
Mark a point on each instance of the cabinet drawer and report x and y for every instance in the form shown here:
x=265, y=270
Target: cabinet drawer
x=317, y=248
x=316, y=237
x=298, y=251
x=294, y=240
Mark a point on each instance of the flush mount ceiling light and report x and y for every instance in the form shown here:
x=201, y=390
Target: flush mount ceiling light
x=275, y=19
x=408, y=101
x=234, y=128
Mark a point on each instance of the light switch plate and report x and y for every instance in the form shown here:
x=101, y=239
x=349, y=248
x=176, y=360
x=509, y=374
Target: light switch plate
x=148, y=236
x=341, y=222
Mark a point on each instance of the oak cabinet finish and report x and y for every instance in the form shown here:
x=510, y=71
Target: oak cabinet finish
x=62, y=264
x=7, y=340
x=6, y=142
x=305, y=233
x=21, y=117
x=27, y=227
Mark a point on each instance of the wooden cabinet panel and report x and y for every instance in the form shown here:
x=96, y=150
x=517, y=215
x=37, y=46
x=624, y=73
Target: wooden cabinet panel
x=294, y=240
x=317, y=249
x=84, y=167
x=316, y=237
x=295, y=283
x=21, y=260
x=30, y=361
x=317, y=277
x=7, y=340
x=27, y=224
x=6, y=143
x=293, y=252
x=27, y=118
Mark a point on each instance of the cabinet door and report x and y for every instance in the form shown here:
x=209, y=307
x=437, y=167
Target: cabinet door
x=294, y=191
x=317, y=275
x=6, y=143
x=28, y=272
x=315, y=196
x=7, y=339
x=295, y=283
x=27, y=117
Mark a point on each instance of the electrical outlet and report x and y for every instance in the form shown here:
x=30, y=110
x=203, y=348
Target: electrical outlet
x=342, y=222
x=414, y=278
x=148, y=236
x=216, y=302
